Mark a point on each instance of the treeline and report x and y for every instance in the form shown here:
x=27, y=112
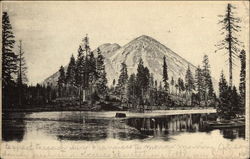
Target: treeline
x=85, y=77
x=141, y=88
x=232, y=103
x=16, y=94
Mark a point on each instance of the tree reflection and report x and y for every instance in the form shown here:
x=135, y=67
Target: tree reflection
x=90, y=127
x=13, y=127
x=233, y=133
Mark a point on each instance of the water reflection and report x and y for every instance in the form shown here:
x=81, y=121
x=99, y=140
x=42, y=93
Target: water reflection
x=233, y=133
x=91, y=126
x=13, y=129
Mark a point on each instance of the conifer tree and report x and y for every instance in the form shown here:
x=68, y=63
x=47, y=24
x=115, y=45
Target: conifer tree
x=151, y=80
x=61, y=81
x=172, y=84
x=92, y=70
x=142, y=81
x=9, y=58
x=189, y=80
x=85, y=45
x=177, y=87
x=235, y=102
x=122, y=81
x=231, y=43
x=101, y=83
x=198, y=83
x=156, y=84
x=86, y=69
x=131, y=88
x=70, y=75
x=146, y=79
x=21, y=67
x=152, y=90
x=80, y=67
x=207, y=86
x=181, y=85
x=223, y=108
x=242, y=86
x=165, y=74
x=21, y=74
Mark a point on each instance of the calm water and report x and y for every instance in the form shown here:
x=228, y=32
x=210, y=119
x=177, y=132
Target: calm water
x=170, y=132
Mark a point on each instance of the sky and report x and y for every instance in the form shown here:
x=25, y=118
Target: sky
x=52, y=31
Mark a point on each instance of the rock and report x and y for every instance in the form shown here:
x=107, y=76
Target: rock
x=120, y=115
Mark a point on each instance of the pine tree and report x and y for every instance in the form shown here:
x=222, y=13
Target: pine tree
x=85, y=45
x=131, y=88
x=172, y=84
x=165, y=74
x=176, y=88
x=156, y=84
x=189, y=82
x=230, y=28
x=143, y=81
x=207, y=86
x=86, y=69
x=235, y=102
x=152, y=90
x=80, y=67
x=151, y=80
x=229, y=99
x=92, y=70
x=181, y=85
x=101, y=83
x=70, y=75
x=223, y=108
x=139, y=79
x=242, y=86
x=61, y=81
x=198, y=83
x=146, y=79
x=122, y=81
x=9, y=58
x=223, y=86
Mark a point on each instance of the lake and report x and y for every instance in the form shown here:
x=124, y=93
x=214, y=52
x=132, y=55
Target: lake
x=158, y=134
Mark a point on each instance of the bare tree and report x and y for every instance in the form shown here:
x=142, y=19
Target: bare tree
x=22, y=71
x=22, y=68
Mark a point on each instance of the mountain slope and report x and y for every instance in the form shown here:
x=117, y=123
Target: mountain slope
x=150, y=50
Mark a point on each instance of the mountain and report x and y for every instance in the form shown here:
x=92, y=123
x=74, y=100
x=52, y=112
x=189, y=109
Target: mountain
x=150, y=50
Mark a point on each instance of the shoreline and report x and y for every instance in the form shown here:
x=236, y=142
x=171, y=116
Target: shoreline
x=152, y=113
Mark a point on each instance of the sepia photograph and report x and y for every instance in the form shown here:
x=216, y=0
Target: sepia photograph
x=125, y=80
